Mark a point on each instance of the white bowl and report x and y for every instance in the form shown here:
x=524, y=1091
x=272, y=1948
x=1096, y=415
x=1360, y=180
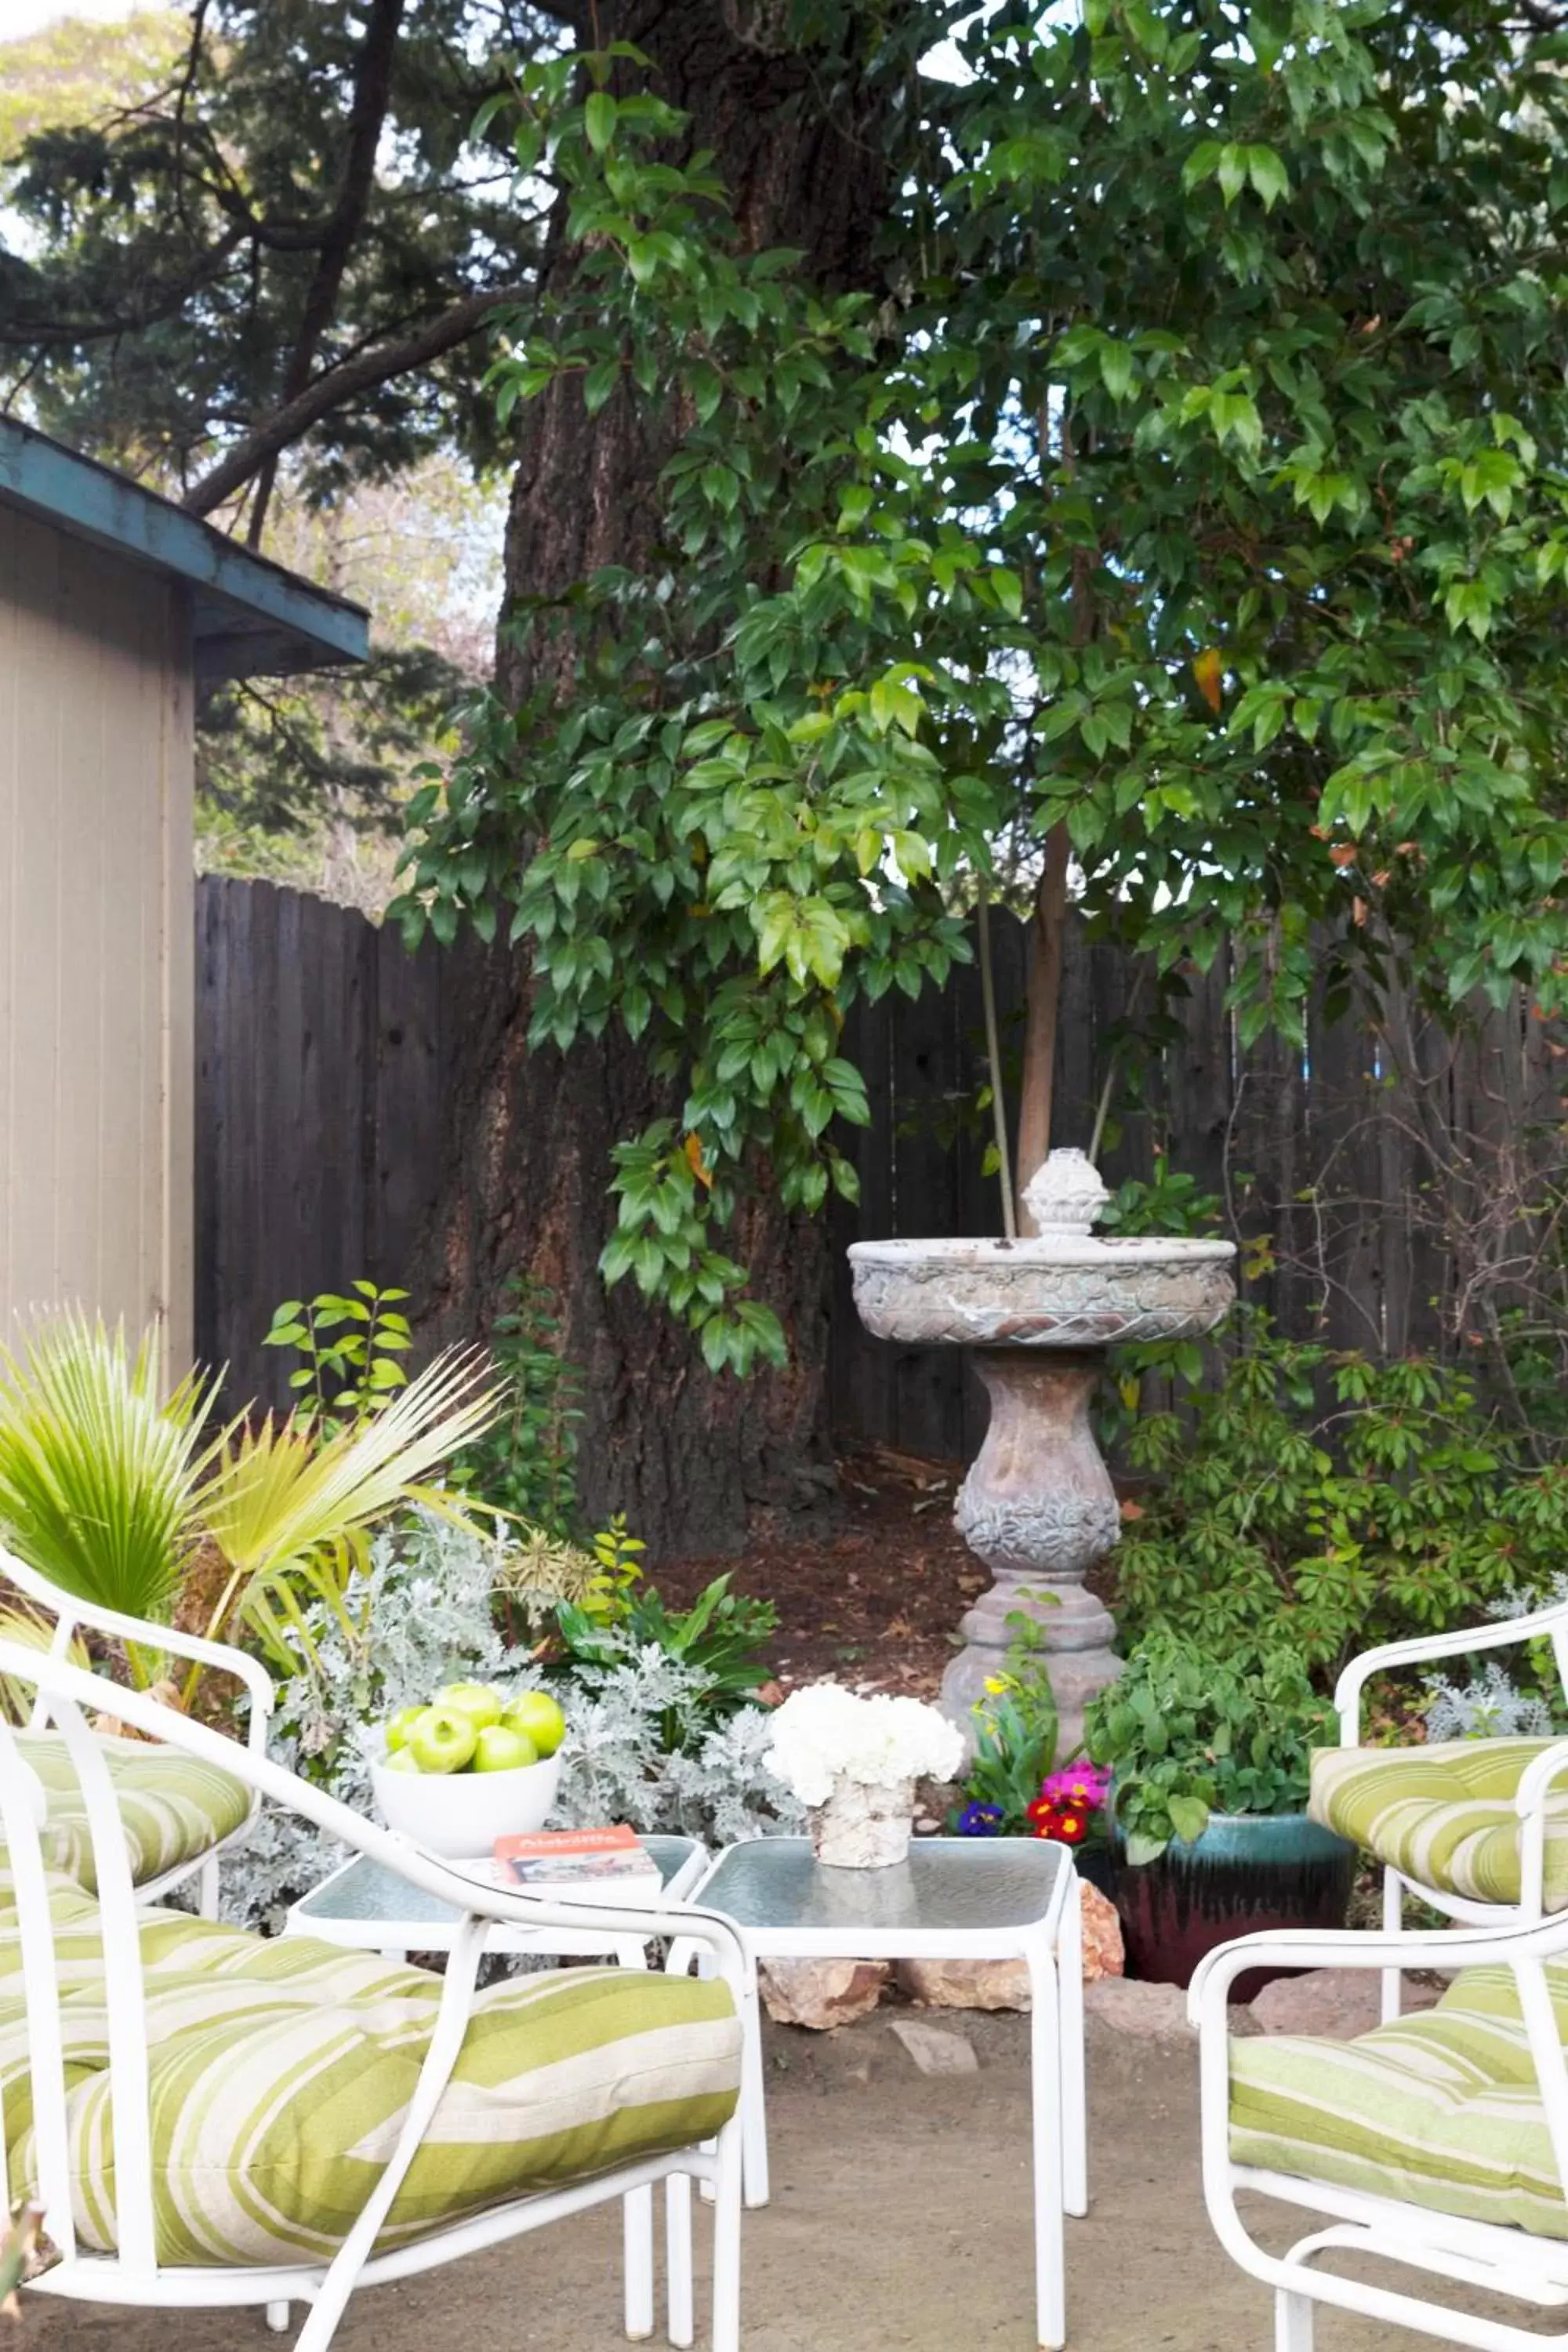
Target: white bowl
x=459, y=1815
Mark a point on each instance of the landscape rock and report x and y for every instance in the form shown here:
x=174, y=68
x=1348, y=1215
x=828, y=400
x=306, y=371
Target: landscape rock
x=821, y=1993
x=1152, y=2012
x=966, y=1984
x=1103, y=1955
x=934, y=2050
x=1336, y=2004
x=1004, y=1984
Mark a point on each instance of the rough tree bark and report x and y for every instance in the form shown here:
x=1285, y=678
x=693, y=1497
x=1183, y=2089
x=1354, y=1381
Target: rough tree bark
x=690, y=1459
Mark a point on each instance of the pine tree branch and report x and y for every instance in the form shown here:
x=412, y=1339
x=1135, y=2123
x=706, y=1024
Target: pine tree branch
x=378, y=363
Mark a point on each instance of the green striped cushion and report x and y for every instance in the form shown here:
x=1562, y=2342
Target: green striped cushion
x=174, y=1807
x=1440, y=2110
x=1443, y=1815
x=281, y=2071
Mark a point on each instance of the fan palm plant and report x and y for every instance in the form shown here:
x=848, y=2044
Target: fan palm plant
x=109, y=1489
x=99, y=1472
x=289, y=1509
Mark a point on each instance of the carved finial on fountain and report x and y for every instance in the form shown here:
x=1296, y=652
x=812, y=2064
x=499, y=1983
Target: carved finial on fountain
x=1065, y=1195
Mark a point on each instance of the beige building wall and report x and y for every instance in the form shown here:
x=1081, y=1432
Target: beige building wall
x=97, y=938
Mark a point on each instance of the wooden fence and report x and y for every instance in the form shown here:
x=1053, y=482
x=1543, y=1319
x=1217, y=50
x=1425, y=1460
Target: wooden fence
x=1395, y=1174
x=322, y=1047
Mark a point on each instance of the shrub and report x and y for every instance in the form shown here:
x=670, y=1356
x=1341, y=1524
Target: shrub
x=1323, y=1502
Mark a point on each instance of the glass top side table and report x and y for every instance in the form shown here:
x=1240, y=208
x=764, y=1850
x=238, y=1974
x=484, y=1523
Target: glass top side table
x=953, y=1899
x=368, y=1907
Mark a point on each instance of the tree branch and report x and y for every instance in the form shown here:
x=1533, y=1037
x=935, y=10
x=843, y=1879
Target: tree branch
x=377, y=364
x=367, y=113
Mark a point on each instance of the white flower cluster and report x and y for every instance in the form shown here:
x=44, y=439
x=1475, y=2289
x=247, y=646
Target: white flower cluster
x=826, y=1732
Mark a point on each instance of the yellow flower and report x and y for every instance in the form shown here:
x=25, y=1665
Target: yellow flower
x=994, y=1688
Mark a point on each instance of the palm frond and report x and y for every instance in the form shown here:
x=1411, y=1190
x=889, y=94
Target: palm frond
x=284, y=1507
x=99, y=1473
x=30, y=1628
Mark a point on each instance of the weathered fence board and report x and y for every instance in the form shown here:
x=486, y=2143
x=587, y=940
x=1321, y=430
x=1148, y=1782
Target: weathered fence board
x=322, y=1104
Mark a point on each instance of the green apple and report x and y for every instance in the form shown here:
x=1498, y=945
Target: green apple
x=499, y=1748
x=400, y=1760
x=442, y=1740
x=399, y=1725
x=536, y=1714
x=480, y=1702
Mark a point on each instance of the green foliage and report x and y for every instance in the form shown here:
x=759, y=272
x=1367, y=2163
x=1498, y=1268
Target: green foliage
x=74, y=71
x=182, y=250
x=1186, y=1732
x=1328, y=1502
x=526, y=1463
x=1016, y=1733
x=99, y=1470
x=351, y=1350
x=1122, y=513
x=721, y=1639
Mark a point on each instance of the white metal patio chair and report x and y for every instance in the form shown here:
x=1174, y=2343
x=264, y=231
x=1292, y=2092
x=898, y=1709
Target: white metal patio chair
x=209, y=2119
x=1439, y=2141
x=180, y=1812
x=1473, y=1827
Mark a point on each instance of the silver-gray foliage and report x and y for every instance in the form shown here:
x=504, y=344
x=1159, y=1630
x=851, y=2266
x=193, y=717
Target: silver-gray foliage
x=428, y=1606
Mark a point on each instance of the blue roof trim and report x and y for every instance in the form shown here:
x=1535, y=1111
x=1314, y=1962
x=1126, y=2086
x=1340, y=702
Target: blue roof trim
x=249, y=615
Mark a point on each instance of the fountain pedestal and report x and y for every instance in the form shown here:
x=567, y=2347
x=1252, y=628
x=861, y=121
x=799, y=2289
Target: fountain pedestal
x=1038, y=1508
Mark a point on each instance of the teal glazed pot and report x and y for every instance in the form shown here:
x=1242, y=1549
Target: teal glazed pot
x=1247, y=1872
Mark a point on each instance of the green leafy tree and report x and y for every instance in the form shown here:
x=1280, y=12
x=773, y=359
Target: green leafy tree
x=290, y=239
x=1205, y=538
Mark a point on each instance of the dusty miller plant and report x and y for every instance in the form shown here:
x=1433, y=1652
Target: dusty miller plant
x=432, y=1620
x=1491, y=1705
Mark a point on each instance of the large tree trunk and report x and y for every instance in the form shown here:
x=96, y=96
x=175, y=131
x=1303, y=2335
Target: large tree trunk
x=692, y=1459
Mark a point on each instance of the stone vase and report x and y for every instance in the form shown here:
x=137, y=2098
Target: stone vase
x=1037, y=1509
x=864, y=1827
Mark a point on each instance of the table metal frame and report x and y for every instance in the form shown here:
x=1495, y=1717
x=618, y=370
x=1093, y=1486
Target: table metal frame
x=1050, y=1945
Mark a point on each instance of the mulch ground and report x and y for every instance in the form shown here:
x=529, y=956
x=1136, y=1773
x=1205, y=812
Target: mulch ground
x=874, y=1598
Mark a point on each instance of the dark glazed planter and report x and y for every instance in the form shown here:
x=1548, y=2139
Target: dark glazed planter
x=1248, y=1870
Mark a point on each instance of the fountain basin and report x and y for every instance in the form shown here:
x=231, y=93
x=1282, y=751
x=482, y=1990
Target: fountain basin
x=1060, y=1290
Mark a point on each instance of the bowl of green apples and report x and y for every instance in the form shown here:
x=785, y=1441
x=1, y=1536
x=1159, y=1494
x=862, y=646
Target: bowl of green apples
x=470, y=1767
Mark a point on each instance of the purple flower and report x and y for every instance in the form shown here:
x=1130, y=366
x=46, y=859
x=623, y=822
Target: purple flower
x=980, y=1821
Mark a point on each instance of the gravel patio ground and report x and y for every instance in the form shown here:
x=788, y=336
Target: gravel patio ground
x=899, y=2219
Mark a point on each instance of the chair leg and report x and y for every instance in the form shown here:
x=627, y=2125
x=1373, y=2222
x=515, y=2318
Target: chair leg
x=1074, y=2101
x=636, y=2208
x=1393, y=1925
x=278, y=2318
x=753, y=2096
x=682, y=2324
x=1292, y=2322
x=727, y=2203
x=207, y=1888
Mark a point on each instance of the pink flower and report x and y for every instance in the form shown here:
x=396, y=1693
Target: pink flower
x=1084, y=1786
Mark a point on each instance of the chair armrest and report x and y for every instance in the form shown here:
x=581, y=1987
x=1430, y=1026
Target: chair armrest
x=1444, y=1950
x=1500, y=1634
x=71, y=1612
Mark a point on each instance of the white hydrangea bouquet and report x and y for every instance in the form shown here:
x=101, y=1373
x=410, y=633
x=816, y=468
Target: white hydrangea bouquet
x=853, y=1762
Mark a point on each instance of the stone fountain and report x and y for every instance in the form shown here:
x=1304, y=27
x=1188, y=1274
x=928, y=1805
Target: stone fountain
x=1037, y=1509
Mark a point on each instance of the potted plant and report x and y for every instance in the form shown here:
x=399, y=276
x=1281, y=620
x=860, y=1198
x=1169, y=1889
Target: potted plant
x=853, y=1761
x=1209, y=1760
